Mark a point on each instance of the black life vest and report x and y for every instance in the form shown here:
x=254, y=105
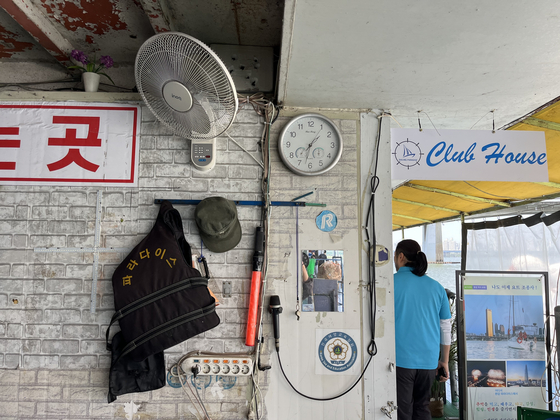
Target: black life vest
x=160, y=299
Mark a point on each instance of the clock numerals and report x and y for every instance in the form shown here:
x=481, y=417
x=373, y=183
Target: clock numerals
x=329, y=134
x=288, y=144
x=292, y=134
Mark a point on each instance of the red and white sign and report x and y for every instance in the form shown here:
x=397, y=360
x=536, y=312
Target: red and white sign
x=69, y=144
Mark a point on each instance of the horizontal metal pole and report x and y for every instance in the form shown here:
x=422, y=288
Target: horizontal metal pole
x=415, y=203
x=455, y=194
x=247, y=203
x=82, y=250
x=537, y=122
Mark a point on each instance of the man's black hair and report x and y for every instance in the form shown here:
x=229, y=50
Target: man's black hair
x=416, y=258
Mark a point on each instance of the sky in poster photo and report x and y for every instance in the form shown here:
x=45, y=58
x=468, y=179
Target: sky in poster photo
x=528, y=310
x=535, y=369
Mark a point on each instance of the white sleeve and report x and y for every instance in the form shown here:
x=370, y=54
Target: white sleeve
x=445, y=331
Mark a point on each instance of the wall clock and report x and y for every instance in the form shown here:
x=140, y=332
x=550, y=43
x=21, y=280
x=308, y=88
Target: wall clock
x=310, y=144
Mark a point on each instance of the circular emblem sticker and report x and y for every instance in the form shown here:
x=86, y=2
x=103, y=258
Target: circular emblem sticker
x=326, y=221
x=408, y=153
x=227, y=381
x=338, y=351
x=173, y=378
x=201, y=381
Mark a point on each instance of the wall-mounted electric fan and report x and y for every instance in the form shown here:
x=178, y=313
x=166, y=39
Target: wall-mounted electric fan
x=188, y=89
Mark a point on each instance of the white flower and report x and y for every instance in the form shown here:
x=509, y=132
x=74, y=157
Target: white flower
x=337, y=350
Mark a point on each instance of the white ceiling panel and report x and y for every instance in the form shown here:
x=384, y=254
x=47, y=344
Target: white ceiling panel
x=456, y=61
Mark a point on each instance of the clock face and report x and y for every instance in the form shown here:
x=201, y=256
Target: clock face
x=310, y=144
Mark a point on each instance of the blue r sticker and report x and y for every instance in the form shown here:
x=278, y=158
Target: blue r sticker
x=326, y=221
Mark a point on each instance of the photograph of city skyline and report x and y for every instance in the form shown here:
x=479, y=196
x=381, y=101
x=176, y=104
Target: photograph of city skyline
x=484, y=312
x=525, y=373
x=504, y=327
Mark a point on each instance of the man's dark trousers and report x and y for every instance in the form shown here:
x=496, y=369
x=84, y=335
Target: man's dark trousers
x=413, y=393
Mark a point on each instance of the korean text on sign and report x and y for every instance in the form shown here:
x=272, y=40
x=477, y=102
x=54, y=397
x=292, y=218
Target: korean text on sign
x=72, y=144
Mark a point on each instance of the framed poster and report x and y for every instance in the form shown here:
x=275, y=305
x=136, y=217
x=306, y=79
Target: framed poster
x=503, y=337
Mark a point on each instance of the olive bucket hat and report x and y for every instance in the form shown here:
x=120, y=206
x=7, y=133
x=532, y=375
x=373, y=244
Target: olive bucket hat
x=219, y=228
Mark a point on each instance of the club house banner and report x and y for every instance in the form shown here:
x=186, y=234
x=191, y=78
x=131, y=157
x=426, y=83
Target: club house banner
x=469, y=155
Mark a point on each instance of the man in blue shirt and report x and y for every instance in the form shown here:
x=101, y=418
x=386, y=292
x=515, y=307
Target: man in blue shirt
x=422, y=331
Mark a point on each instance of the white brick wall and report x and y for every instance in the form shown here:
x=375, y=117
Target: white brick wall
x=52, y=352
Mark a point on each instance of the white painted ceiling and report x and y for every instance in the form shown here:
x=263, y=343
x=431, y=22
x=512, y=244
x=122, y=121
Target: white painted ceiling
x=455, y=61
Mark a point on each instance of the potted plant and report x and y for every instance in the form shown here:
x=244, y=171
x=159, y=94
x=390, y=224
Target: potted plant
x=91, y=70
x=437, y=392
x=437, y=398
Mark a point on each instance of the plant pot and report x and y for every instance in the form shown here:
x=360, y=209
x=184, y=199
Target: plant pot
x=91, y=81
x=436, y=408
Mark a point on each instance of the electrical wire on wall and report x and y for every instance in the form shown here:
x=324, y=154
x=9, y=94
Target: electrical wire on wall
x=266, y=109
x=371, y=241
x=75, y=81
x=177, y=371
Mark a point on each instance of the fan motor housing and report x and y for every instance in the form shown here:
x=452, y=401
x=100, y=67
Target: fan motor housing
x=177, y=96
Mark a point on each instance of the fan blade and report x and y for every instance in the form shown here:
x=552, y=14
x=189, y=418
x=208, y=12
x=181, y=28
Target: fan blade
x=198, y=119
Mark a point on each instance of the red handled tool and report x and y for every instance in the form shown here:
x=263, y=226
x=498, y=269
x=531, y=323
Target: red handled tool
x=258, y=260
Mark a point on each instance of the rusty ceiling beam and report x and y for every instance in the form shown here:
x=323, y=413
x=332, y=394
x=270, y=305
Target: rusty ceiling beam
x=156, y=13
x=39, y=27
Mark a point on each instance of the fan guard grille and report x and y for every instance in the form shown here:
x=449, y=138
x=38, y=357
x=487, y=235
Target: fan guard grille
x=174, y=56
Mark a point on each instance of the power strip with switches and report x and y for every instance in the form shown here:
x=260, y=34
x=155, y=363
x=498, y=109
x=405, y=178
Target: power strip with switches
x=213, y=364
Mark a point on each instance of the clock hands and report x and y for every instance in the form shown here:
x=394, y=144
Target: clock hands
x=315, y=139
x=311, y=144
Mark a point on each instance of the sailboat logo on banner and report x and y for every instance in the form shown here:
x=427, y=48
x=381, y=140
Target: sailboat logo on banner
x=408, y=153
